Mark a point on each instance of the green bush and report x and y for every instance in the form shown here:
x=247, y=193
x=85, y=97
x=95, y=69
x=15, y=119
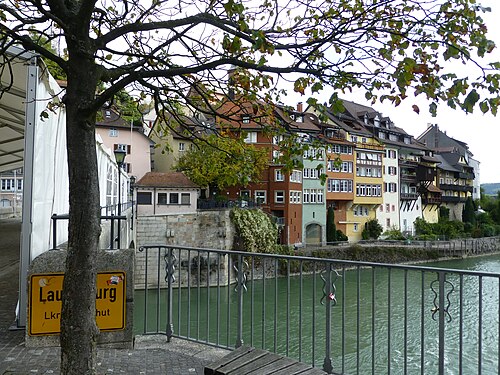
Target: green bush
x=341, y=236
x=256, y=231
x=394, y=235
x=372, y=230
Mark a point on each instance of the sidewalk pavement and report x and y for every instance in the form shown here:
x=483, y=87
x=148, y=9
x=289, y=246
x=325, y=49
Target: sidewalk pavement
x=151, y=354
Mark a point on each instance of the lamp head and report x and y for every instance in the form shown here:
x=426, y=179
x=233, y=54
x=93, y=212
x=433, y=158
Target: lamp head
x=119, y=156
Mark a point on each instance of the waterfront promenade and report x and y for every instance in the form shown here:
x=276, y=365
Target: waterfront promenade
x=151, y=354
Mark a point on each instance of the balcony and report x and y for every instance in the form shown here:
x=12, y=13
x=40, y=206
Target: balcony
x=450, y=199
x=409, y=177
x=408, y=162
x=409, y=196
x=466, y=176
x=425, y=173
x=453, y=187
x=431, y=200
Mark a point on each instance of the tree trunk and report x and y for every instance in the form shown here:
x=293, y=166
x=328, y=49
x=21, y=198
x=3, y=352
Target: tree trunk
x=78, y=327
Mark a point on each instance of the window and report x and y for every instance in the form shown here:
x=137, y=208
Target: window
x=19, y=184
x=251, y=137
x=260, y=196
x=107, y=113
x=363, y=140
x=174, y=198
x=346, y=166
x=277, y=139
x=279, y=196
x=295, y=197
x=144, y=197
x=296, y=176
x=113, y=132
x=312, y=196
x=245, y=119
x=339, y=186
x=8, y=184
x=278, y=175
x=393, y=208
x=368, y=190
x=185, y=198
x=354, y=139
x=182, y=146
x=276, y=155
x=245, y=194
x=355, y=228
x=394, y=137
x=381, y=135
x=388, y=223
x=162, y=198
x=387, y=207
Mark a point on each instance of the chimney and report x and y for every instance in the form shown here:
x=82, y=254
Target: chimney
x=230, y=82
x=300, y=108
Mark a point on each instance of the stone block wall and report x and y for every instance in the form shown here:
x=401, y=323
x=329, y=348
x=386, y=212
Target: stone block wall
x=206, y=229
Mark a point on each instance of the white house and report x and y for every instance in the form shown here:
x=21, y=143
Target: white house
x=166, y=193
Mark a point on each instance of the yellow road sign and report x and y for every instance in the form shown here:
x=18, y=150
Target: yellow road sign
x=46, y=296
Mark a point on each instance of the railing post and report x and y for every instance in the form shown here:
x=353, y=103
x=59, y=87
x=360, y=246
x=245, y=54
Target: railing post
x=54, y=231
x=327, y=363
x=170, y=278
x=441, y=321
x=119, y=232
x=241, y=285
x=112, y=234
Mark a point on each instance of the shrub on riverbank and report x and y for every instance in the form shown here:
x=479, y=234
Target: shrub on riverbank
x=377, y=254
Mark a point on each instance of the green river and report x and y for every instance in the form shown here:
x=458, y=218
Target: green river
x=375, y=329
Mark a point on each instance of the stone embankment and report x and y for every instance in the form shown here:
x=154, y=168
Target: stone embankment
x=406, y=251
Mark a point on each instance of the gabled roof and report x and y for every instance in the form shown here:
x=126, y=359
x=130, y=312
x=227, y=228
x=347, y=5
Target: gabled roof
x=445, y=165
x=437, y=139
x=166, y=180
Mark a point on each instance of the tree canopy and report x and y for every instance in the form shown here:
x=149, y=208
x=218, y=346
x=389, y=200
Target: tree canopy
x=223, y=162
x=390, y=49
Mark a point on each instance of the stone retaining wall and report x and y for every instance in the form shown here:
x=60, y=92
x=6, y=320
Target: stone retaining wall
x=205, y=229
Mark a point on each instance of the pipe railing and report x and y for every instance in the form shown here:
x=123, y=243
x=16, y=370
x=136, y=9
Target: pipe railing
x=107, y=213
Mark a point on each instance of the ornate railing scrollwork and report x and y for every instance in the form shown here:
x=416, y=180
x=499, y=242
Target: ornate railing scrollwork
x=448, y=287
x=243, y=278
x=332, y=296
x=170, y=262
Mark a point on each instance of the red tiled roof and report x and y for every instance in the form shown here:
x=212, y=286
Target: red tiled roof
x=166, y=180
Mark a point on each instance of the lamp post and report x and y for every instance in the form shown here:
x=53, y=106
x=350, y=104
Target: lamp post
x=119, y=157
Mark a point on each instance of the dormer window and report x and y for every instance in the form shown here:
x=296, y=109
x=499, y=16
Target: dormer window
x=381, y=135
x=245, y=119
x=365, y=119
x=407, y=140
x=376, y=121
x=107, y=113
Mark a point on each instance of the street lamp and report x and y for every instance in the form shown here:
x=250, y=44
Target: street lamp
x=119, y=158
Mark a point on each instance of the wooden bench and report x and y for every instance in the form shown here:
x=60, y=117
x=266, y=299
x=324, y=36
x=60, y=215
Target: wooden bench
x=250, y=361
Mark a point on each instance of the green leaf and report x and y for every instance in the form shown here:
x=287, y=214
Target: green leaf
x=470, y=101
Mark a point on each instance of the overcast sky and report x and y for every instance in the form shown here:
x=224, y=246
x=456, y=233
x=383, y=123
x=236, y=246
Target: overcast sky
x=480, y=132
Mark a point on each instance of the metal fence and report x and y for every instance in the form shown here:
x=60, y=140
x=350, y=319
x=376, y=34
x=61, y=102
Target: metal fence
x=346, y=317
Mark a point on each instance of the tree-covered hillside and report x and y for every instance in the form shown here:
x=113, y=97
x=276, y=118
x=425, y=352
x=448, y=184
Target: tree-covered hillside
x=491, y=188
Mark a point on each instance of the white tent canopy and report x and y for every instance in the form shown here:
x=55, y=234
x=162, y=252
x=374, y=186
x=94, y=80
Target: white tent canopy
x=38, y=144
x=12, y=108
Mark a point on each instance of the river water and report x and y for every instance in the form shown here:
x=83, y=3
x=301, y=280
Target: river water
x=383, y=320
